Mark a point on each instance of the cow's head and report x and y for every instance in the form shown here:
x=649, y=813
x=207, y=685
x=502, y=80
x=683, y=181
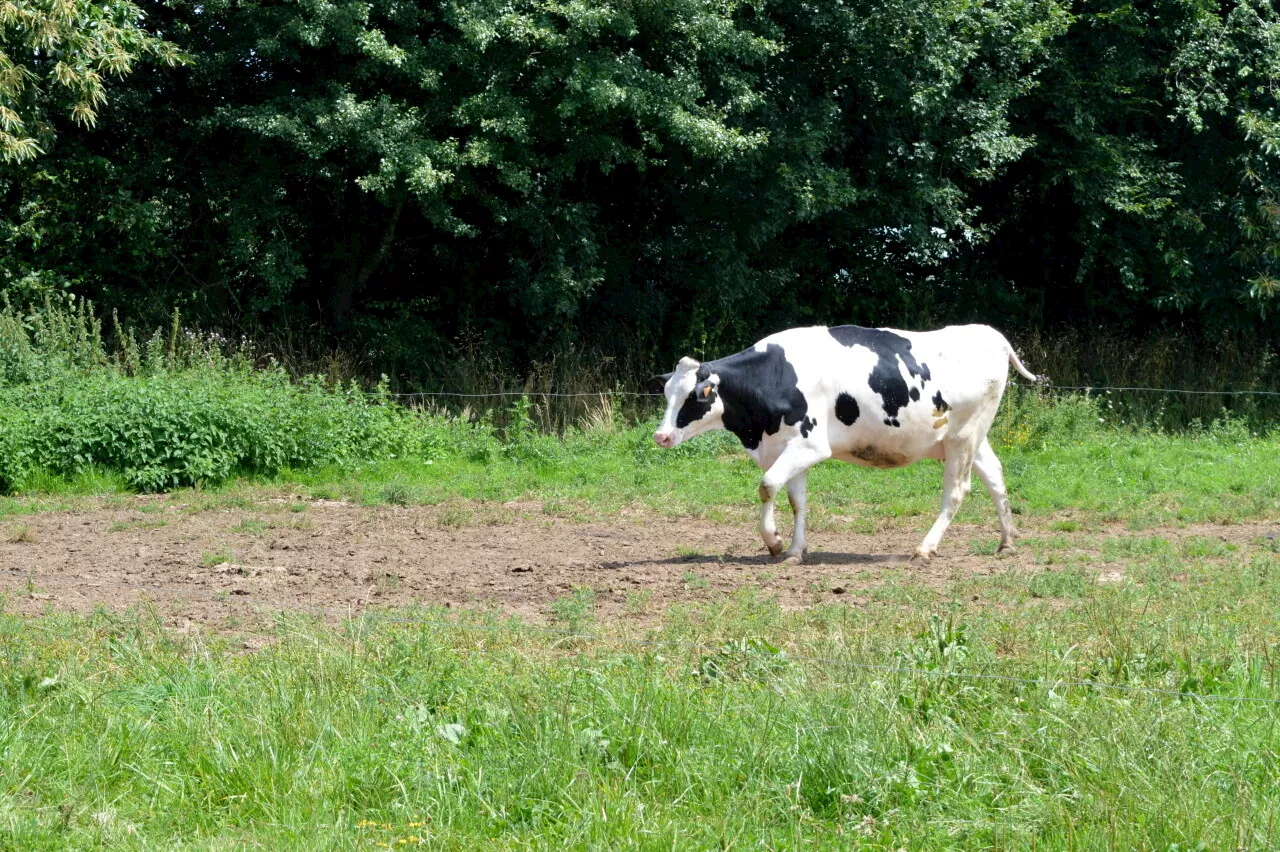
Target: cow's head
x=694, y=405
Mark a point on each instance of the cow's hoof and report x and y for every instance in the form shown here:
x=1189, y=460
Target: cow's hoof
x=793, y=557
x=922, y=555
x=775, y=550
x=1006, y=548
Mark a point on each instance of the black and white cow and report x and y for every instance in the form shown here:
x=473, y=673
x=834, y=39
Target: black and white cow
x=876, y=397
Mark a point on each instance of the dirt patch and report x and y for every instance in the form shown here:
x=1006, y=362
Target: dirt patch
x=217, y=567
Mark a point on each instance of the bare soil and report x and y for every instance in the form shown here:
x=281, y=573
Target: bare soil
x=220, y=567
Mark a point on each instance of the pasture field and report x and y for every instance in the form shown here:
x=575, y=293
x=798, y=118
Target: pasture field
x=578, y=642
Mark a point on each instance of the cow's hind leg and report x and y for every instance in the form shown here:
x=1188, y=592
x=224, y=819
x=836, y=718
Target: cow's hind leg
x=992, y=475
x=956, y=482
x=797, y=458
x=797, y=497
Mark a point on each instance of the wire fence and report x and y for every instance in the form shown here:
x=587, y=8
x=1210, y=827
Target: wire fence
x=354, y=613
x=536, y=394
x=1189, y=392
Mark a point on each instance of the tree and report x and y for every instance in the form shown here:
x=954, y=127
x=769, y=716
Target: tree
x=55, y=56
x=1150, y=194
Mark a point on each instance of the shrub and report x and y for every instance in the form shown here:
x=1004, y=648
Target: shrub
x=196, y=426
x=182, y=409
x=1030, y=420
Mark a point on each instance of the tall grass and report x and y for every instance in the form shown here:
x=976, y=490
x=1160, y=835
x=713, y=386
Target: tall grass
x=1162, y=359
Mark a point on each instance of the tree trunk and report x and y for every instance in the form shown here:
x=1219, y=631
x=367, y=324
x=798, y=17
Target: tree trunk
x=357, y=274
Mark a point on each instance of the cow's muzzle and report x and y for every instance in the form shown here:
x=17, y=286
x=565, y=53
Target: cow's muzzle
x=666, y=440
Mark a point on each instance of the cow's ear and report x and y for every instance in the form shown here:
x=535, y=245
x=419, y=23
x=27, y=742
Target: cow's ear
x=657, y=384
x=706, y=387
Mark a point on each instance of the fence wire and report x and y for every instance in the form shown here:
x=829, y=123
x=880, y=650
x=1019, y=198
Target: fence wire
x=381, y=617
x=1096, y=388
x=643, y=394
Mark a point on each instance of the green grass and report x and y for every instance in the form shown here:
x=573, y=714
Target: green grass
x=209, y=559
x=115, y=733
x=1116, y=476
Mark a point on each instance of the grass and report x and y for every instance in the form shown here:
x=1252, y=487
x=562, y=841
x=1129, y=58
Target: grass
x=575, y=610
x=222, y=556
x=729, y=724
x=1137, y=479
x=250, y=526
x=1121, y=476
x=737, y=726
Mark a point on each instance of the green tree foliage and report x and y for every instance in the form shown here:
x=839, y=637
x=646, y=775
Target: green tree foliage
x=1152, y=187
x=55, y=56
x=636, y=176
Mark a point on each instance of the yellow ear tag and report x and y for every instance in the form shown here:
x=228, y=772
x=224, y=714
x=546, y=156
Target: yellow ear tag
x=706, y=392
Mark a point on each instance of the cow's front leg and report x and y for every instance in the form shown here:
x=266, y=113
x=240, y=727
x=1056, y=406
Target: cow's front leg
x=797, y=498
x=794, y=460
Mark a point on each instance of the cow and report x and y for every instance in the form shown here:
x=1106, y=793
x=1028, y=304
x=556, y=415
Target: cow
x=876, y=397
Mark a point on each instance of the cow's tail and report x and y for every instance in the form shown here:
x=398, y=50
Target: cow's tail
x=1017, y=363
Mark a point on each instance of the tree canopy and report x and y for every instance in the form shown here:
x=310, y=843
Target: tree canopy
x=638, y=176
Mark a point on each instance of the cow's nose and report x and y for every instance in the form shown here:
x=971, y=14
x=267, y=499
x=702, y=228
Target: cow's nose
x=662, y=439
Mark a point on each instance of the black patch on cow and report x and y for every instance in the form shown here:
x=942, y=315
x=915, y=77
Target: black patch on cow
x=696, y=405
x=886, y=379
x=940, y=404
x=915, y=394
x=846, y=409
x=760, y=392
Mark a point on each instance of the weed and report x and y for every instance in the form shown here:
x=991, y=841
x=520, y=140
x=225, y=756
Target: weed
x=219, y=557
x=21, y=534
x=1068, y=583
x=399, y=494
x=250, y=526
x=575, y=610
x=454, y=517
x=742, y=659
x=1202, y=546
x=694, y=580
x=942, y=644
x=983, y=546
x=638, y=601
x=1134, y=547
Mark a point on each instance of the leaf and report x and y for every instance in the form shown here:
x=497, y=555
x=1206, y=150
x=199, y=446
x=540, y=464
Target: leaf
x=451, y=732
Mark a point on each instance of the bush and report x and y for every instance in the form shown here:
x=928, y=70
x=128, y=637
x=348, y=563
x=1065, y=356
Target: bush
x=1032, y=420
x=199, y=426
x=182, y=409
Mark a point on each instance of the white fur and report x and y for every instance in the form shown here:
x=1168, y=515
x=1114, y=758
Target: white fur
x=968, y=365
